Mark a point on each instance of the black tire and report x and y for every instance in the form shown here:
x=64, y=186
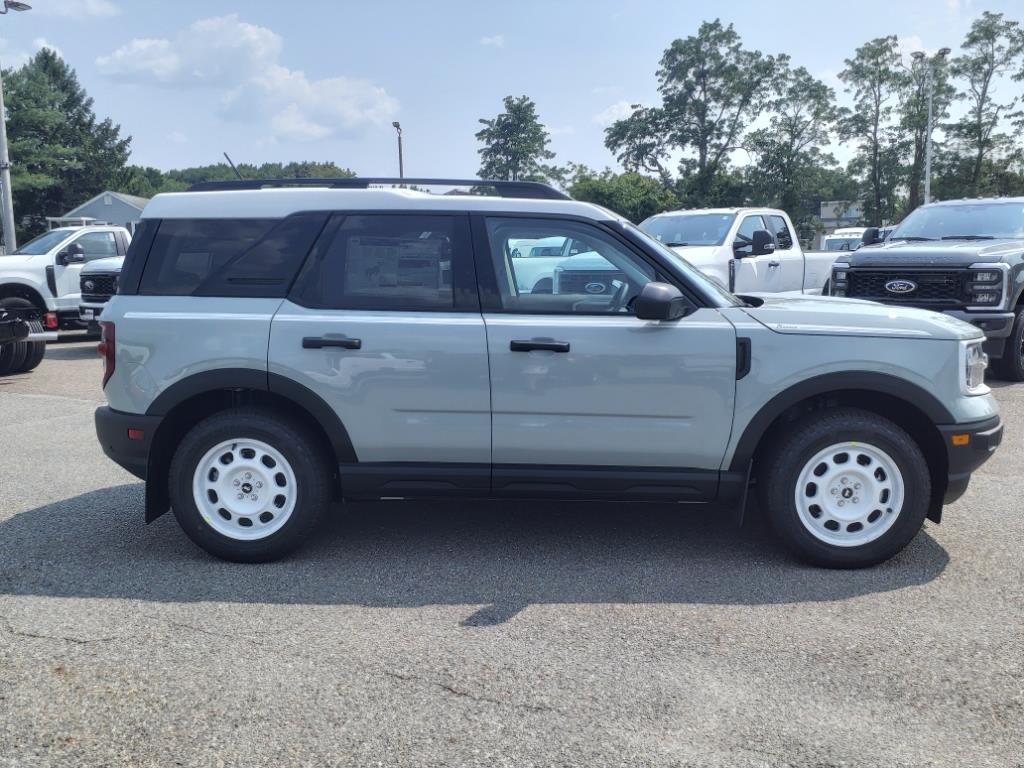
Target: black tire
x=826, y=289
x=779, y=475
x=313, y=481
x=27, y=354
x=11, y=353
x=34, y=356
x=1010, y=366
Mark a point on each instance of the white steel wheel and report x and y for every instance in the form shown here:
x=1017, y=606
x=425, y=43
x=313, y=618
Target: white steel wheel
x=244, y=489
x=849, y=494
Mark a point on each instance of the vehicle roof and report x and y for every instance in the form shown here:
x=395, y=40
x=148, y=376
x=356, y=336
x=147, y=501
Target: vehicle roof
x=847, y=232
x=279, y=202
x=696, y=211
x=80, y=227
x=976, y=200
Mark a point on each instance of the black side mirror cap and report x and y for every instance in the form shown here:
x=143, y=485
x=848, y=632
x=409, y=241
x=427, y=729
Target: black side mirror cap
x=762, y=243
x=661, y=301
x=870, y=236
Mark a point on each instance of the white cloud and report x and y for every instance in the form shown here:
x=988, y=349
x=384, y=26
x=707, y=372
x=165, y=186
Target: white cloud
x=76, y=8
x=617, y=111
x=563, y=130
x=19, y=57
x=495, y=41
x=912, y=43
x=242, y=61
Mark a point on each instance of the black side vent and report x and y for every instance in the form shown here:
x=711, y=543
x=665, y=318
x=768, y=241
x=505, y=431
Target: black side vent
x=51, y=280
x=742, y=357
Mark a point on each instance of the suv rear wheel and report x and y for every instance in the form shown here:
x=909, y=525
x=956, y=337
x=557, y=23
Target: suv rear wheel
x=845, y=490
x=248, y=485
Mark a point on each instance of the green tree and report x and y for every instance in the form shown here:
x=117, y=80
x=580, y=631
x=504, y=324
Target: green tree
x=875, y=79
x=630, y=194
x=992, y=49
x=61, y=154
x=791, y=147
x=711, y=89
x=515, y=143
x=913, y=117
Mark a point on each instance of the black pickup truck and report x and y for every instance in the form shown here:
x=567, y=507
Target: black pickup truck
x=962, y=257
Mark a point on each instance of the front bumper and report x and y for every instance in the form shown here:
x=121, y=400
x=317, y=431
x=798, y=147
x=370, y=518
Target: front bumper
x=968, y=446
x=126, y=438
x=89, y=312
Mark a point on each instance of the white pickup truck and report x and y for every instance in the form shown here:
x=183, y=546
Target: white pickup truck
x=748, y=250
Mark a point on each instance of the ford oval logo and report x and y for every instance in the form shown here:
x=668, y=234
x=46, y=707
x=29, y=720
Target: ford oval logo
x=594, y=288
x=901, y=286
x=89, y=285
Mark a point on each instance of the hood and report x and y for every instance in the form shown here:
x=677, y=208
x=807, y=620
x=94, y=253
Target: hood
x=110, y=264
x=17, y=261
x=826, y=315
x=942, y=253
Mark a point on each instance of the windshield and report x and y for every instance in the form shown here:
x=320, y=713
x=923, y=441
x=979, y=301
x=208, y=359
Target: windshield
x=968, y=219
x=43, y=243
x=691, y=271
x=842, y=244
x=689, y=228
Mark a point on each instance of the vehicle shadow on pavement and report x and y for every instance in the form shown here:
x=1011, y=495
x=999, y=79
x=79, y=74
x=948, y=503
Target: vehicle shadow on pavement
x=502, y=555
x=77, y=352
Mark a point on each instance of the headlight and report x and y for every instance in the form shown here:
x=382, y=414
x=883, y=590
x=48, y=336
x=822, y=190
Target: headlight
x=840, y=282
x=973, y=362
x=985, y=284
x=986, y=276
x=986, y=298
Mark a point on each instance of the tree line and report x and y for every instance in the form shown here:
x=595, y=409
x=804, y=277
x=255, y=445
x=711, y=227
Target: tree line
x=719, y=100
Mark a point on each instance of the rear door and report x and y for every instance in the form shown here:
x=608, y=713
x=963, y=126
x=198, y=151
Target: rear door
x=588, y=399
x=384, y=324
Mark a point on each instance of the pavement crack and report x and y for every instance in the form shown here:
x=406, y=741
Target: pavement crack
x=458, y=692
x=9, y=627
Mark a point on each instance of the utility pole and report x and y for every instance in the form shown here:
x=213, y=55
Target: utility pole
x=929, y=85
x=10, y=236
x=401, y=166
x=7, y=214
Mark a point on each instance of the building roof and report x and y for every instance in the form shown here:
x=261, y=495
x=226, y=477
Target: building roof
x=132, y=200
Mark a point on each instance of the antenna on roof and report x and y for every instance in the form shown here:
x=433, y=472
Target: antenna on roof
x=233, y=166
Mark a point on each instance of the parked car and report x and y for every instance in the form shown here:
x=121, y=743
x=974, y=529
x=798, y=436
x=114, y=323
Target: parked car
x=845, y=239
x=747, y=250
x=98, y=282
x=270, y=350
x=961, y=257
x=45, y=271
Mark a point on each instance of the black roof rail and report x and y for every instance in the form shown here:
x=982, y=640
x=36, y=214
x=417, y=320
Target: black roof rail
x=515, y=189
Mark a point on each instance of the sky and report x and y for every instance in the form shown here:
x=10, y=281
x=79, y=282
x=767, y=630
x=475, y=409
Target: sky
x=323, y=80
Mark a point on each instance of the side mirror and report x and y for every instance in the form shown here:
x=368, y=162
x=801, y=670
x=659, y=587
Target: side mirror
x=870, y=236
x=73, y=254
x=762, y=243
x=661, y=301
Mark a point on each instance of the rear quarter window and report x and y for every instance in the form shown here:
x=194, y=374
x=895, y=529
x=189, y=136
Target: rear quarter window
x=229, y=257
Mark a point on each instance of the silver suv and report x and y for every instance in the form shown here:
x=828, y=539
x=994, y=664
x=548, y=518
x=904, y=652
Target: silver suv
x=276, y=346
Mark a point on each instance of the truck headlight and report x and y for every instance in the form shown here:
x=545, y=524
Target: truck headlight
x=973, y=362
x=986, y=276
x=986, y=298
x=840, y=282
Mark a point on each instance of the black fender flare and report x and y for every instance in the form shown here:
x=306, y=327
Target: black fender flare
x=846, y=381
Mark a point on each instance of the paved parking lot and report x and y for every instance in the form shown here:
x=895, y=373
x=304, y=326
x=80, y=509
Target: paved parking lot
x=469, y=633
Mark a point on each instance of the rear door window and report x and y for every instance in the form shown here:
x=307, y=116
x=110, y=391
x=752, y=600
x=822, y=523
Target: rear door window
x=779, y=228
x=389, y=262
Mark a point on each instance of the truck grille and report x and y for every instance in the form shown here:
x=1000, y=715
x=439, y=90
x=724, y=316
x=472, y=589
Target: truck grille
x=98, y=287
x=944, y=288
x=589, y=282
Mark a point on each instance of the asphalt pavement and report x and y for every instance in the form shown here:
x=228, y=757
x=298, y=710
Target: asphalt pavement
x=490, y=634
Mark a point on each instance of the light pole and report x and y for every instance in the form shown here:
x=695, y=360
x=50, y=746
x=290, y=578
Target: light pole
x=10, y=236
x=401, y=167
x=929, y=85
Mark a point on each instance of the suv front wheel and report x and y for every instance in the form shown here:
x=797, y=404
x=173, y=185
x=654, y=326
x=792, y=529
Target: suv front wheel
x=846, y=488
x=248, y=485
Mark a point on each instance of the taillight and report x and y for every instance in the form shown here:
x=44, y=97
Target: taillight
x=50, y=320
x=106, y=350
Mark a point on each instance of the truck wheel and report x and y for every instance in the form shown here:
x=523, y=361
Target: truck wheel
x=33, y=357
x=11, y=356
x=845, y=489
x=1011, y=365
x=249, y=486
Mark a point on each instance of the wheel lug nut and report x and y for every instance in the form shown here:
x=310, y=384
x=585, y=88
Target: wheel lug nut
x=834, y=491
x=259, y=485
x=857, y=486
x=241, y=496
x=842, y=503
x=856, y=500
x=237, y=483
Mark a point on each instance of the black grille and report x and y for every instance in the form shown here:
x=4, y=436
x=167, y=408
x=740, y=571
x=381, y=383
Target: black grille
x=592, y=282
x=98, y=287
x=932, y=287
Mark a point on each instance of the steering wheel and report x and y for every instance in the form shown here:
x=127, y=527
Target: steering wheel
x=619, y=299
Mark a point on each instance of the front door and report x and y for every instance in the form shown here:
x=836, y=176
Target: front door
x=755, y=274
x=586, y=398
x=96, y=245
x=384, y=325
